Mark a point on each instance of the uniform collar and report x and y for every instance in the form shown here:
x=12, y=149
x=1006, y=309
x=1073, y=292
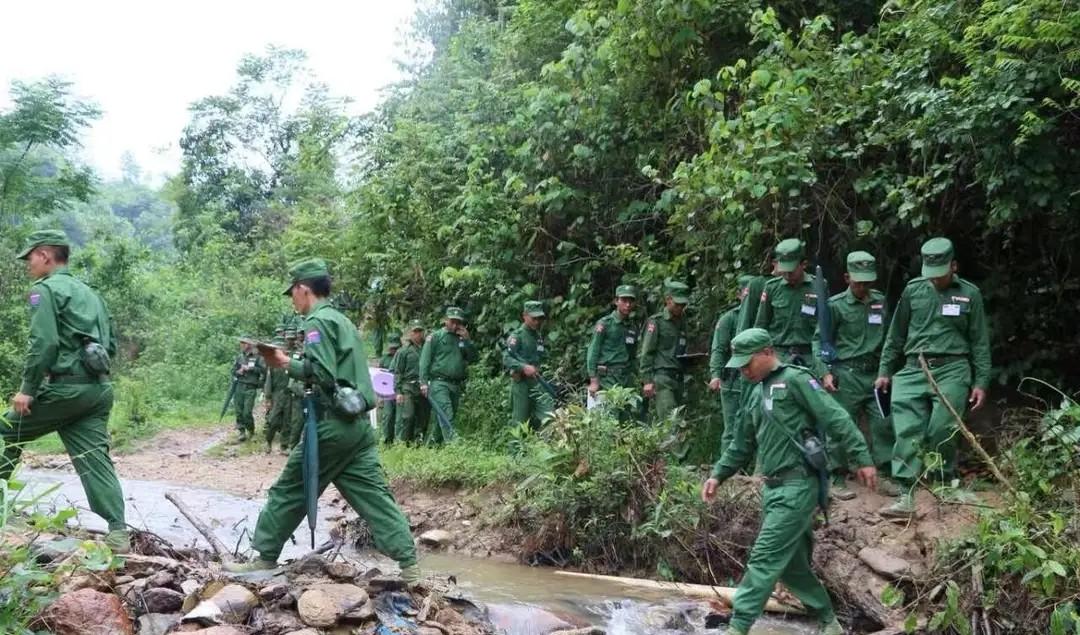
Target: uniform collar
x=850, y=297
x=669, y=317
x=618, y=316
x=318, y=305
x=59, y=271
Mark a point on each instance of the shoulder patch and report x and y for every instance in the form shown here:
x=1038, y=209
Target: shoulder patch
x=599, y=327
x=35, y=299
x=764, y=296
x=313, y=337
x=511, y=341
x=429, y=337
x=814, y=383
x=651, y=327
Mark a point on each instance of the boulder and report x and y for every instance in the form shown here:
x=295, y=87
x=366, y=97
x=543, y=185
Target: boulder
x=157, y=623
x=275, y=622
x=102, y=581
x=884, y=563
x=162, y=600
x=324, y=604
x=273, y=592
x=87, y=612
x=304, y=631
x=164, y=579
x=220, y=630
x=341, y=571
x=436, y=538
x=230, y=605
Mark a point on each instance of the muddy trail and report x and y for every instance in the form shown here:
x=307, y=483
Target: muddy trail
x=464, y=550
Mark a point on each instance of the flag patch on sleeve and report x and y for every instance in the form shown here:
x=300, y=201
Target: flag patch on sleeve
x=814, y=384
x=313, y=337
x=35, y=299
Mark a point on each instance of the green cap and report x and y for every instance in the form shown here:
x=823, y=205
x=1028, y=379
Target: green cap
x=53, y=237
x=416, y=325
x=678, y=291
x=746, y=344
x=937, y=257
x=861, y=266
x=455, y=313
x=393, y=340
x=279, y=330
x=625, y=291
x=290, y=333
x=534, y=308
x=789, y=253
x=306, y=269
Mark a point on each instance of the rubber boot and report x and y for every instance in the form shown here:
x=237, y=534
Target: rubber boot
x=411, y=574
x=839, y=489
x=904, y=507
x=832, y=628
x=119, y=541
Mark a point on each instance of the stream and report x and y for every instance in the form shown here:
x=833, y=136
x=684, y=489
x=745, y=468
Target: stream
x=522, y=600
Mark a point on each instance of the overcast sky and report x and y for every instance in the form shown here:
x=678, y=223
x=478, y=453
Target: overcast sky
x=144, y=62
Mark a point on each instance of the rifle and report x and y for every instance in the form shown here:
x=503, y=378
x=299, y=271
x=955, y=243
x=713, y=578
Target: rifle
x=543, y=382
x=443, y=420
x=228, y=397
x=824, y=318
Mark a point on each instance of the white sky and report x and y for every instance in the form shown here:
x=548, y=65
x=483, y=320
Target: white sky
x=143, y=62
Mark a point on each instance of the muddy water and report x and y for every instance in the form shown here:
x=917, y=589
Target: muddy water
x=522, y=600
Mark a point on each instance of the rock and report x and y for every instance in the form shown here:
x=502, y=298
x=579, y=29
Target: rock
x=142, y=566
x=428, y=630
x=52, y=550
x=311, y=565
x=324, y=604
x=98, y=581
x=273, y=592
x=884, y=563
x=162, y=600
x=124, y=579
x=304, y=631
x=276, y=623
x=588, y=630
x=157, y=623
x=383, y=583
x=436, y=538
x=87, y=612
x=342, y=571
x=361, y=613
x=505, y=616
x=220, y=630
x=231, y=605
x=164, y=579
x=190, y=587
x=132, y=590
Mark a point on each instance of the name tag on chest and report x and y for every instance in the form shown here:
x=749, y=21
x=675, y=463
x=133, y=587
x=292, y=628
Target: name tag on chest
x=950, y=310
x=630, y=339
x=540, y=348
x=767, y=401
x=808, y=309
x=875, y=318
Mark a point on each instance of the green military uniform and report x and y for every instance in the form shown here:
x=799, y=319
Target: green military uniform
x=250, y=372
x=444, y=364
x=413, y=411
x=950, y=329
x=69, y=396
x=789, y=312
x=388, y=407
x=662, y=346
x=348, y=456
x=788, y=404
x=277, y=387
x=858, y=329
x=530, y=400
x=732, y=383
x=294, y=389
x=611, y=354
x=748, y=308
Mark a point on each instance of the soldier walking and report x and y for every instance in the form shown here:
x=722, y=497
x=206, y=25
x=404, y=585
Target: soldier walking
x=444, y=362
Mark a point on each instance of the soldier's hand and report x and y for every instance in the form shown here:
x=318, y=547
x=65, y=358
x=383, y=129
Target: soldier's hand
x=463, y=332
x=400, y=400
x=20, y=403
x=529, y=370
x=977, y=398
x=424, y=389
x=708, y=490
x=649, y=390
x=275, y=358
x=715, y=384
x=867, y=476
x=829, y=381
x=594, y=386
x=882, y=384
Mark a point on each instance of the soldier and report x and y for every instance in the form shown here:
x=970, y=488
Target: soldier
x=788, y=309
x=752, y=300
x=786, y=407
x=661, y=347
x=277, y=387
x=413, y=410
x=250, y=371
x=859, y=317
x=530, y=398
x=727, y=381
x=388, y=416
x=613, y=347
x=444, y=364
x=65, y=380
x=941, y=317
x=333, y=360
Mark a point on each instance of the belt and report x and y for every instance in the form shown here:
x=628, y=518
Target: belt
x=447, y=379
x=783, y=476
x=78, y=379
x=863, y=362
x=934, y=361
x=610, y=369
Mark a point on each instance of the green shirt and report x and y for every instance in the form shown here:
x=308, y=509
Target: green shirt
x=789, y=313
x=445, y=356
x=523, y=346
x=952, y=322
x=406, y=367
x=784, y=406
x=253, y=367
x=277, y=379
x=613, y=344
x=720, y=351
x=387, y=361
x=858, y=326
x=750, y=303
x=663, y=342
x=333, y=355
x=64, y=312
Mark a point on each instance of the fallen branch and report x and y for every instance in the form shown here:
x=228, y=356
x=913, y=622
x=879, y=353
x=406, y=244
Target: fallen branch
x=219, y=548
x=964, y=429
x=727, y=594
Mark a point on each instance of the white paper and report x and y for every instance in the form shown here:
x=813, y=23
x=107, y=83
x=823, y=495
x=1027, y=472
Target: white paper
x=951, y=310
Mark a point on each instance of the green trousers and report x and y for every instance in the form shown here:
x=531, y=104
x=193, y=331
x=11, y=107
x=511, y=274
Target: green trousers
x=731, y=391
x=348, y=458
x=669, y=393
x=244, y=400
x=387, y=419
x=782, y=553
x=79, y=413
x=277, y=420
x=921, y=421
x=444, y=397
x=530, y=401
x=412, y=417
x=855, y=393
x=295, y=419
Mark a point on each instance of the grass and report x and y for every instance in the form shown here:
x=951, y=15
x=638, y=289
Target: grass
x=460, y=464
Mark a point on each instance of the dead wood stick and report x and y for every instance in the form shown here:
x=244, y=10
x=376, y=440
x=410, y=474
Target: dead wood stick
x=219, y=548
x=964, y=429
